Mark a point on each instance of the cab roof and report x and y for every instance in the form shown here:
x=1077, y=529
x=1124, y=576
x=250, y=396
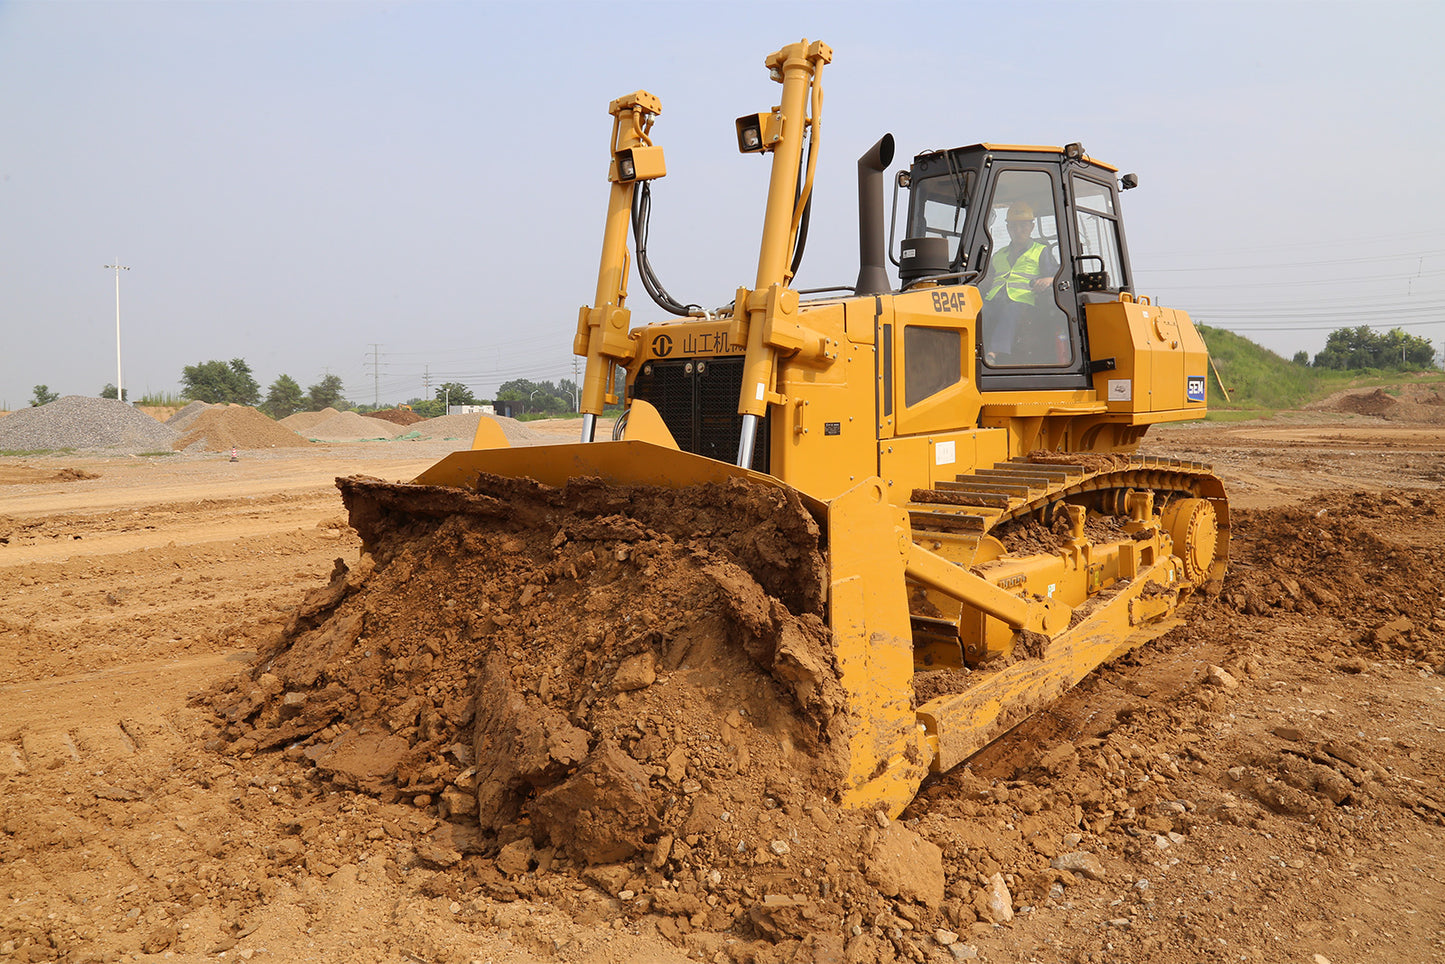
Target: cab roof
x=1018, y=149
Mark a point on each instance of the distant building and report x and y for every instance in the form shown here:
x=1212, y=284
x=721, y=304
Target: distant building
x=470, y=410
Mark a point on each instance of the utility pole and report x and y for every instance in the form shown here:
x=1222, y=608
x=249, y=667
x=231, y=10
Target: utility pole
x=426, y=384
x=119, y=385
x=576, y=397
x=375, y=374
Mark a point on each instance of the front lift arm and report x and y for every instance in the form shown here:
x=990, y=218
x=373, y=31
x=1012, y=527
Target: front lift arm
x=602, y=328
x=765, y=318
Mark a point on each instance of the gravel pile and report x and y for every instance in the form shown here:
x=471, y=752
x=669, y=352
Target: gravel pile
x=78, y=422
x=181, y=421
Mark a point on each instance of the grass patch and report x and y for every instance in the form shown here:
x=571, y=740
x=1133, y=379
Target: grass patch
x=27, y=452
x=162, y=399
x=1261, y=383
x=153, y=455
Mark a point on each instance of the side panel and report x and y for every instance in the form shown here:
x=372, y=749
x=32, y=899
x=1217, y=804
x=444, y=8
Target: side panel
x=920, y=461
x=1160, y=361
x=823, y=440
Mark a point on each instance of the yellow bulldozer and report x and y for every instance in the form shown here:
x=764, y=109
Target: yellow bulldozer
x=964, y=439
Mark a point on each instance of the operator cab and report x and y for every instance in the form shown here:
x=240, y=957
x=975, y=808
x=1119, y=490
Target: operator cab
x=998, y=217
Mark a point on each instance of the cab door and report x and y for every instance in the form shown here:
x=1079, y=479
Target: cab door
x=1031, y=336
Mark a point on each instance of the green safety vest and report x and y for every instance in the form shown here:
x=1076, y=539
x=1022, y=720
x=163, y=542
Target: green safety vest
x=1019, y=276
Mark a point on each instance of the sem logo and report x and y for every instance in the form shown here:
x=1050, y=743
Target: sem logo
x=662, y=346
x=1194, y=388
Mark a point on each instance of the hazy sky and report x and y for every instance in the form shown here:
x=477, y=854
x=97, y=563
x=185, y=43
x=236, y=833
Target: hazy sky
x=382, y=190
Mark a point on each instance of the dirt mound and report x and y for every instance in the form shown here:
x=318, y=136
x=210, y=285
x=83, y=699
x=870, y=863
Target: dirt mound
x=221, y=428
x=1420, y=404
x=25, y=475
x=1323, y=558
x=633, y=683
x=348, y=427
x=397, y=416
x=1369, y=403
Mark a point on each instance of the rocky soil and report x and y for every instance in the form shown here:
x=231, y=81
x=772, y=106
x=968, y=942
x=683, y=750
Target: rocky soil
x=219, y=742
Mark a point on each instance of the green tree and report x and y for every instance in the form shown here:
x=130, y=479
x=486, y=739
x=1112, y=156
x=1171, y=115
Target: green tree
x=1360, y=347
x=43, y=396
x=455, y=393
x=283, y=398
x=109, y=392
x=327, y=393
x=426, y=408
x=220, y=382
x=539, y=398
x=1302, y=357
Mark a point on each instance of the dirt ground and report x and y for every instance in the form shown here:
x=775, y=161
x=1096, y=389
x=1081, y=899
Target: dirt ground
x=1263, y=784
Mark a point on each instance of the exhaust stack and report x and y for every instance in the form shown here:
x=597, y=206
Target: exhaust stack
x=872, y=275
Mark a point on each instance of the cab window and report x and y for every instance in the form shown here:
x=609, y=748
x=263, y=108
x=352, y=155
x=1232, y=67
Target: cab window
x=1098, y=226
x=940, y=206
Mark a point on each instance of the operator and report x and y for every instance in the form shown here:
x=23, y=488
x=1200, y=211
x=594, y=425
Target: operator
x=1016, y=276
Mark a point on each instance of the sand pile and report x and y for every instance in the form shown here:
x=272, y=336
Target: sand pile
x=397, y=416
x=631, y=686
x=301, y=422
x=161, y=413
x=349, y=427
x=78, y=422
x=220, y=428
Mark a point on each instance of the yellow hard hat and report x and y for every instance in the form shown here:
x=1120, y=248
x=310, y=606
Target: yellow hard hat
x=1020, y=211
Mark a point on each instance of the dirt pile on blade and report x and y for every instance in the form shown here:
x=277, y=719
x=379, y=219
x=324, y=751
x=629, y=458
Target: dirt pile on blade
x=633, y=685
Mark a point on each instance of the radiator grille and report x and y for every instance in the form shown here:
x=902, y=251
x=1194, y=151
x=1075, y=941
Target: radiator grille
x=698, y=401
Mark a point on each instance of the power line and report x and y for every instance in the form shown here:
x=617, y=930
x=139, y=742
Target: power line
x=1365, y=324
x=376, y=374
x=1316, y=263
